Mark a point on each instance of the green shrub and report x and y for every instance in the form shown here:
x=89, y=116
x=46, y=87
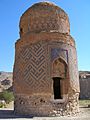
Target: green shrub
x=1, y=105
x=7, y=96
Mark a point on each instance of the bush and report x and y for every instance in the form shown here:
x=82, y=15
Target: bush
x=7, y=96
x=1, y=105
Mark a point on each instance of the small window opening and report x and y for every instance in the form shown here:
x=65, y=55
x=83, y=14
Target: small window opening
x=21, y=30
x=57, y=88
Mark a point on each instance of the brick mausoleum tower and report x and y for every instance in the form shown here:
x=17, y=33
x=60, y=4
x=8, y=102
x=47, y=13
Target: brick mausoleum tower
x=46, y=81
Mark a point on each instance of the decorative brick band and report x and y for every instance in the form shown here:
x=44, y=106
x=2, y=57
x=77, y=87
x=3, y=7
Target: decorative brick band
x=45, y=36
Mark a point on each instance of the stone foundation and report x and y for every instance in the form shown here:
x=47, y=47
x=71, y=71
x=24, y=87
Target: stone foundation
x=38, y=105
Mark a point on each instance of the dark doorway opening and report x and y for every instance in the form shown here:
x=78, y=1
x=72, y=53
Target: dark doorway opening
x=57, y=88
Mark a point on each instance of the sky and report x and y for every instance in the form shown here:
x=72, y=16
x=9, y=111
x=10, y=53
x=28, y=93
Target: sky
x=79, y=16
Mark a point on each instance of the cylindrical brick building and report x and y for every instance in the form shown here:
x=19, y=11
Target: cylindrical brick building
x=46, y=81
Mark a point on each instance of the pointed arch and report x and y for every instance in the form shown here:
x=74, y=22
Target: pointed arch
x=59, y=68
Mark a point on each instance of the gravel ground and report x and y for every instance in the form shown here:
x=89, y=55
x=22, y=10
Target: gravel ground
x=8, y=114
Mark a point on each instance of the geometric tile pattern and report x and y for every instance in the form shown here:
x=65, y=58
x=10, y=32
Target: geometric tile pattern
x=37, y=61
x=35, y=68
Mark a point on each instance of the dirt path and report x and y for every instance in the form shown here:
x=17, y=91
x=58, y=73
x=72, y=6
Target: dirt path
x=8, y=114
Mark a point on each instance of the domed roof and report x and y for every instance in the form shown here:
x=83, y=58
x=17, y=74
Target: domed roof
x=44, y=17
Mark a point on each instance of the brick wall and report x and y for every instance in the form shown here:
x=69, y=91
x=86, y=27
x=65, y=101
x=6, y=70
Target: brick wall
x=84, y=86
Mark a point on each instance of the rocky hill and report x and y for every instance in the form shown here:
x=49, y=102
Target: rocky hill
x=84, y=74
x=5, y=80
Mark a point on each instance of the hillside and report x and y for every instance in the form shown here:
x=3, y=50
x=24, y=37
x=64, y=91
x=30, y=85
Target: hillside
x=5, y=80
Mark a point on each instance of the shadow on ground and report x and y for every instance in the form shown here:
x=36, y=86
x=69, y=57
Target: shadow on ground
x=10, y=115
x=6, y=114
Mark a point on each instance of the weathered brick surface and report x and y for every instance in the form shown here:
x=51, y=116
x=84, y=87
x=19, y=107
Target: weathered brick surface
x=43, y=52
x=44, y=17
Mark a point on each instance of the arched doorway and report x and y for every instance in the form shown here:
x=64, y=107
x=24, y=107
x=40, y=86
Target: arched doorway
x=59, y=76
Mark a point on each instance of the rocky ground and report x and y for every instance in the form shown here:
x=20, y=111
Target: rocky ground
x=8, y=114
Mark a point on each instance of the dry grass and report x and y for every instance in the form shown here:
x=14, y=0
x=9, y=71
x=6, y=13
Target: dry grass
x=84, y=102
